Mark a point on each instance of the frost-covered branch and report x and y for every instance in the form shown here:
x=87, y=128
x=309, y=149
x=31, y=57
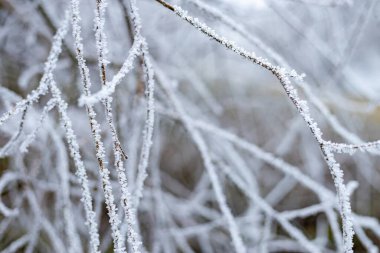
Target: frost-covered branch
x=283, y=77
x=218, y=158
x=201, y=145
x=95, y=129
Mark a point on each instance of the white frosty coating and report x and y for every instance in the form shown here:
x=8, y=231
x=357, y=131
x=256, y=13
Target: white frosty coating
x=283, y=76
x=218, y=152
x=117, y=149
x=133, y=237
x=235, y=26
x=80, y=169
x=50, y=65
x=149, y=93
x=288, y=227
x=126, y=198
x=267, y=157
x=333, y=121
x=31, y=137
x=42, y=89
x=11, y=144
x=343, y=197
x=23, y=104
x=109, y=89
x=323, y=193
x=281, y=73
x=62, y=167
x=71, y=138
x=138, y=46
x=147, y=133
x=136, y=20
x=95, y=129
x=373, y=146
x=203, y=149
x=46, y=225
x=341, y=130
x=46, y=82
x=100, y=36
x=76, y=30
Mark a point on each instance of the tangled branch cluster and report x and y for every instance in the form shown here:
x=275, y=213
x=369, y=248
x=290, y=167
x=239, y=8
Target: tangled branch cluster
x=120, y=172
